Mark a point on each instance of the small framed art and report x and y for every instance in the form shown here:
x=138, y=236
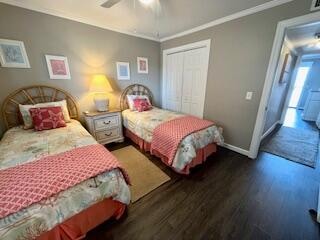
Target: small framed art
x=142, y=64
x=58, y=67
x=286, y=69
x=13, y=54
x=123, y=71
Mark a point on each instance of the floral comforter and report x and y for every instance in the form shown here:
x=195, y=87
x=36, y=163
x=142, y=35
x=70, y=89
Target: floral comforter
x=20, y=146
x=143, y=124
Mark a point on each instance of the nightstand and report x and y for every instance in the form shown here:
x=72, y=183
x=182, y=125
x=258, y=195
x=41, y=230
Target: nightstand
x=105, y=127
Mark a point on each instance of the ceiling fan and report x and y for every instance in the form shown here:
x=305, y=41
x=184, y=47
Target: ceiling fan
x=111, y=3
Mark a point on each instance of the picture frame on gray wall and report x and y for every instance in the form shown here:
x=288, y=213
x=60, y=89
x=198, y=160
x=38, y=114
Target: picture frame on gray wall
x=142, y=65
x=123, y=71
x=13, y=54
x=58, y=67
x=286, y=69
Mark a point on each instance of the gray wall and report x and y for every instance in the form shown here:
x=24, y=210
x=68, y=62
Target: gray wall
x=89, y=49
x=240, y=52
x=279, y=91
x=312, y=82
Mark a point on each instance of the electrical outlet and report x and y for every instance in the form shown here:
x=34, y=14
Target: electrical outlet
x=249, y=95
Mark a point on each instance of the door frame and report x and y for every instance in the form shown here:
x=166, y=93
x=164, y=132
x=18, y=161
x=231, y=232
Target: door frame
x=270, y=76
x=192, y=46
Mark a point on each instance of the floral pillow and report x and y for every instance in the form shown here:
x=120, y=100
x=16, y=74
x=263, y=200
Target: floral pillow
x=47, y=118
x=141, y=105
x=131, y=99
x=27, y=120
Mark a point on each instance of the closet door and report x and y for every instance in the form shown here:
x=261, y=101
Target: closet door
x=174, y=77
x=194, y=82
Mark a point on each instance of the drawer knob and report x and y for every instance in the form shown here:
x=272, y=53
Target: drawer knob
x=106, y=123
x=108, y=134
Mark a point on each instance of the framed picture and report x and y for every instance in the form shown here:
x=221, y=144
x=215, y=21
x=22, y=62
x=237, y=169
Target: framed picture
x=142, y=64
x=13, y=54
x=123, y=70
x=286, y=69
x=58, y=67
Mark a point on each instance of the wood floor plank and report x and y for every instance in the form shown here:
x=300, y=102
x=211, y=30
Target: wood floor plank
x=228, y=197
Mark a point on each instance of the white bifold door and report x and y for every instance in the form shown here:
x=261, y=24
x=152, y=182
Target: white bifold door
x=174, y=77
x=185, y=79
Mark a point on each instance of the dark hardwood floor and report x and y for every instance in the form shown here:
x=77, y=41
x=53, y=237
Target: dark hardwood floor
x=228, y=197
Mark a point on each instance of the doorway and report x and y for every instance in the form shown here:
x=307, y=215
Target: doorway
x=299, y=84
x=295, y=136
x=308, y=19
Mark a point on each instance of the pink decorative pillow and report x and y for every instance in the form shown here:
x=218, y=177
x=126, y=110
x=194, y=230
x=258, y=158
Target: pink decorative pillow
x=130, y=99
x=141, y=104
x=46, y=118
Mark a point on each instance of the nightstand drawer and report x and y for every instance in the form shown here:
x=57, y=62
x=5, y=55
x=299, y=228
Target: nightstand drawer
x=108, y=134
x=106, y=127
x=106, y=122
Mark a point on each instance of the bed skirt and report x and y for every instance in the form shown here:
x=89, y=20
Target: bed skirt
x=201, y=157
x=77, y=226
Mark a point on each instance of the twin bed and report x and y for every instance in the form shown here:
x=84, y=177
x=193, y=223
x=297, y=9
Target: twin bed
x=73, y=211
x=140, y=127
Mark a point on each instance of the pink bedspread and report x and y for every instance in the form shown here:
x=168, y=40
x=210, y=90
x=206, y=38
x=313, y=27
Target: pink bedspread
x=32, y=182
x=168, y=135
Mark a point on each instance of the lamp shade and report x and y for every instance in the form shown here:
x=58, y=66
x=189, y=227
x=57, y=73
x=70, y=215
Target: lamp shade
x=100, y=84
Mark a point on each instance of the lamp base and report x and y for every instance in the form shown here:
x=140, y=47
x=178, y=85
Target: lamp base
x=101, y=102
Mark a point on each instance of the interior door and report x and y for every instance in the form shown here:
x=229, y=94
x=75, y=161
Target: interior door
x=194, y=82
x=174, y=78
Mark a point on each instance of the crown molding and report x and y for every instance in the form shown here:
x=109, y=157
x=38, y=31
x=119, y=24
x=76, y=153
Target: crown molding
x=80, y=19
x=231, y=17
x=72, y=17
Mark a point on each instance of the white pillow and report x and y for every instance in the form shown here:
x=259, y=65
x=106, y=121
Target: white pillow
x=27, y=120
x=130, y=99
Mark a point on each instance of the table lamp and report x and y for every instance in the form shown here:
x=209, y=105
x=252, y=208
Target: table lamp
x=100, y=86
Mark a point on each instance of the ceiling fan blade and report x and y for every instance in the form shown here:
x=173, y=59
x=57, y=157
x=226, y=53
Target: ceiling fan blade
x=109, y=3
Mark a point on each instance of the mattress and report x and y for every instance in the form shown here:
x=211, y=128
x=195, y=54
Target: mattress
x=20, y=146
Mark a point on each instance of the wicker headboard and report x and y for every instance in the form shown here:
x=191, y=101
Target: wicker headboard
x=33, y=95
x=135, y=89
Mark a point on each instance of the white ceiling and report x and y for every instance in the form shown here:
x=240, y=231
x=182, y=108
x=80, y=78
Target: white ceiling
x=303, y=38
x=174, y=16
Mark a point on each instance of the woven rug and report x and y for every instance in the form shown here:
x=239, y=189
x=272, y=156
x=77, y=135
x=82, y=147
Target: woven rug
x=298, y=145
x=144, y=175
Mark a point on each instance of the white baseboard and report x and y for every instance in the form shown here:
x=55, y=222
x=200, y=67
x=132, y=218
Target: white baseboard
x=270, y=130
x=236, y=149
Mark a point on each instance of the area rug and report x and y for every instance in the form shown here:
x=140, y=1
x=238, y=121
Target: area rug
x=298, y=145
x=144, y=175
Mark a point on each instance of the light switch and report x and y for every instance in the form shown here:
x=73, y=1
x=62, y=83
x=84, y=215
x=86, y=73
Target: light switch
x=249, y=95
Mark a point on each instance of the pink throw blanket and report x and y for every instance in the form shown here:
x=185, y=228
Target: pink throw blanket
x=32, y=182
x=168, y=135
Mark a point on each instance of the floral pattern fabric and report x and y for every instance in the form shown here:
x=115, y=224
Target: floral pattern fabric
x=27, y=119
x=143, y=124
x=20, y=146
x=47, y=118
x=141, y=105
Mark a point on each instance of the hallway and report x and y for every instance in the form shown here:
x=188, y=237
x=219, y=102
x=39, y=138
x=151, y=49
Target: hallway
x=293, y=119
x=296, y=140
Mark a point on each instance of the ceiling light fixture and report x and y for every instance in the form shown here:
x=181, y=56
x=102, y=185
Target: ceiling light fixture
x=111, y=3
x=146, y=2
